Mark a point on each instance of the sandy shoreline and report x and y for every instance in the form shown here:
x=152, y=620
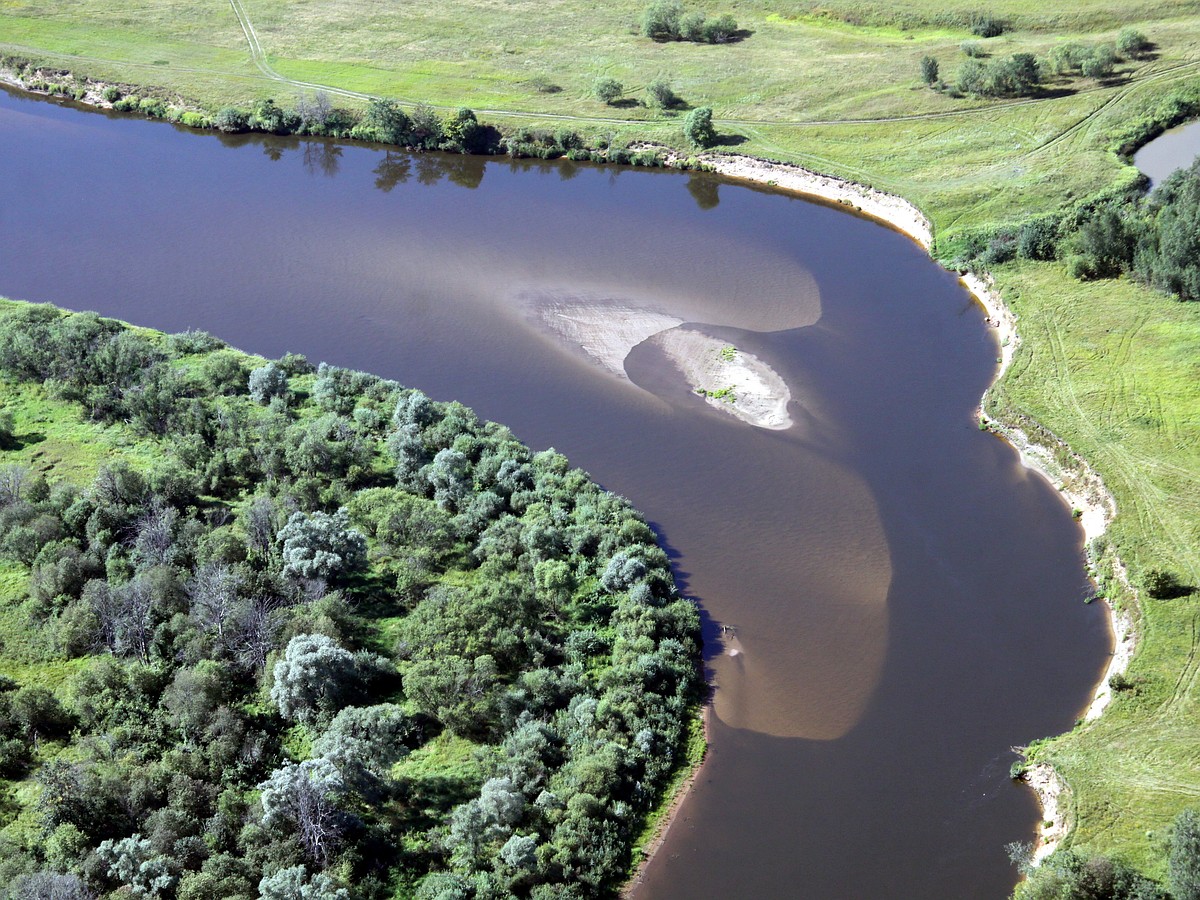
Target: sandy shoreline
x=1080, y=486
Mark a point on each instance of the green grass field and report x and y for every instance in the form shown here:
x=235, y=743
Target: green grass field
x=1109, y=367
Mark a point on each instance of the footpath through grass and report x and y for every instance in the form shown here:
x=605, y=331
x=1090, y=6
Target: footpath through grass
x=1109, y=367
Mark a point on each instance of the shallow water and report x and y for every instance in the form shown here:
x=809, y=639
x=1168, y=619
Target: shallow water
x=904, y=598
x=1171, y=150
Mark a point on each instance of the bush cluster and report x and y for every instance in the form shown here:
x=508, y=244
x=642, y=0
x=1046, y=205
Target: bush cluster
x=665, y=20
x=321, y=574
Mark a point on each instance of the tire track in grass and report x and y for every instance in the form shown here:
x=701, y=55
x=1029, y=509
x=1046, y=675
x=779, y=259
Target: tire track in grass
x=1148, y=498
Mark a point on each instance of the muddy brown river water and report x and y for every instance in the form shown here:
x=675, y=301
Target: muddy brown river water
x=891, y=600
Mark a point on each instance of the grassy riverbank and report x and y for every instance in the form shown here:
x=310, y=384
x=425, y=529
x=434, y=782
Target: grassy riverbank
x=1108, y=367
x=1111, y=369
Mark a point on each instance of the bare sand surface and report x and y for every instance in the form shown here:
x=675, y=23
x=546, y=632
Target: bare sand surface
x=737, y=383
x=604, y=332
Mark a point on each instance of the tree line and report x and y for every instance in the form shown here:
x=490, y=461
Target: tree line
x=336, y=640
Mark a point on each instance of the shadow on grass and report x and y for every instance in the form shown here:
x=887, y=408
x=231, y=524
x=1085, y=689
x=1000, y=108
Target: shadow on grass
x=730, y=140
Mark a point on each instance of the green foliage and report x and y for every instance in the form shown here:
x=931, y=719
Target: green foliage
x=929, y=70
x=528, y=611
x=698, y=127
x=607, y=90
x=385, y=121
x=1168, y=252
x=665, y=20
x=660, y=21
x=1133, y=43
x=661, y=94
x=1100, y=62
x=1163, y=585
x=267, y=382
x=1184, y=860
x=986, y=25
x=1068, y=875
x=720, y=30
x=231, y=119
x=319, y=545
x=1013, y=76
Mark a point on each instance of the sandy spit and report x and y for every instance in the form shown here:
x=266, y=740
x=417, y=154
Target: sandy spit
x=1080, y=486
x=756, y=393
x=605, y=332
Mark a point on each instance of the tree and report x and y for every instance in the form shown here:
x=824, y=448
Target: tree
x=720, y=30
x=1183, y=864
x=8, y=435
x=307, y=796
x=698, y=127
x=132, y=861
x=660, y=21
x=295, y=883
x=1100, y=62
x=314, y=678
x=366, y=740
x=661, y=94
x=385, y=121
x=314, y=111
x=607, y=90
x=268, y=381
x=319, y=545
x=1133, y=43
x=49, y=886
x=929, y=70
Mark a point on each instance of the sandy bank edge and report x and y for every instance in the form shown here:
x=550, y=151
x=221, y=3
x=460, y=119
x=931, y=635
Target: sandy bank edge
x=1080, y=486
x=1097, y=508
x=671, y=812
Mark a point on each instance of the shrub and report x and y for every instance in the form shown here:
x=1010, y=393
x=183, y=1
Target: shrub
x=1100, y=62
x=1183, y=872
x=1132, y=43
x=929, y=70
x=112, y=93
x=1066, y=58
x=1038, y=239
x=231, y=120
x=1163, y=585
x=607, y=90
x=660, y=21
x=720, y=30
x=267, y=382
x=698, y=127
x=973, y=49
x=568, y=140
x=8, y=437
x=661, y=94
x=153, y=107
x=985, y=25
x=691, y=27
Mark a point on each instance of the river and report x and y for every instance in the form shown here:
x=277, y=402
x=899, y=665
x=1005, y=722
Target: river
x=891, y=600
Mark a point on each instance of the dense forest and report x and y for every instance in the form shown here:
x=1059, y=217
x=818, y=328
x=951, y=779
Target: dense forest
x=314, y=635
